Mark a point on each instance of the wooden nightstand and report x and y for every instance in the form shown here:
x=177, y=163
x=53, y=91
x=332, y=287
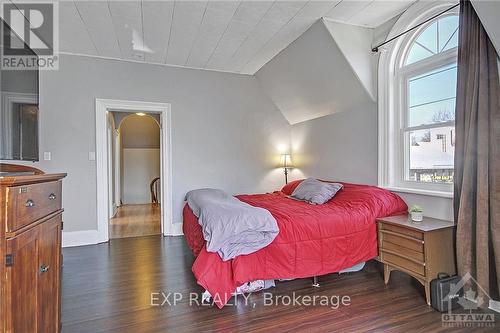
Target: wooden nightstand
x=421, y=249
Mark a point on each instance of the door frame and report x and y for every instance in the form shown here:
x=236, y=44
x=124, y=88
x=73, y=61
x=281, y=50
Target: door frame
x=102, y=107
x=8, y=101
x=110, y=162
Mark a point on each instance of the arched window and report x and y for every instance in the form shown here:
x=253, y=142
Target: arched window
x=438, y=37
x=420, y=110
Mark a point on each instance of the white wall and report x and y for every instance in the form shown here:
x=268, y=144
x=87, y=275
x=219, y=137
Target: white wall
x=341, y=146
x=488, y=12
x=140, y=132
x=355, y=44
x=19, y=81
x=312, y=78
x=225, y=131
x=140, y=167
x=437, y=207
x=140, y=141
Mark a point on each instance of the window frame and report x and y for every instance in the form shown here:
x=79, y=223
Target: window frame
x=404, y=75
x=393, y=103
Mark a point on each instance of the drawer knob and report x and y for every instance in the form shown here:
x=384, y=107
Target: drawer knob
x=52, y=196
x=30, y=203
x=44, y=269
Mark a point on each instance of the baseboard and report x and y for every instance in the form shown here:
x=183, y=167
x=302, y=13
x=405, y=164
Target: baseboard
x=80, y=238
x=495, y=305
x=175, y=231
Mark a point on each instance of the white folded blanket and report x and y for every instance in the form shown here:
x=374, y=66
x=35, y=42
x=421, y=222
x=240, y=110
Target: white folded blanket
x=230, y=226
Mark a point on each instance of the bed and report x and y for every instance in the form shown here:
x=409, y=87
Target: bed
x=313, y=240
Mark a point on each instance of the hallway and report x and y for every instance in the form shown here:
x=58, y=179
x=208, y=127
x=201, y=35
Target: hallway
x=135, y=220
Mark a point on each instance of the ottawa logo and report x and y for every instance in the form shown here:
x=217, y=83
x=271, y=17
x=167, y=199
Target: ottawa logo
x=471, y=298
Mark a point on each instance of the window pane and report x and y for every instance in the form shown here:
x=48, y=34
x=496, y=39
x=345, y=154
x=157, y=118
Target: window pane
x=440, y=36
x=417, y=53
x=433, y=113
x=428, y=38
x=453, y=42
x=431, y=96
x=431, y=153
x=448, y=33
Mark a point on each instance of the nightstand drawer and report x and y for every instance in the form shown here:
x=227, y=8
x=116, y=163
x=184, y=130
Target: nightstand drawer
x=400, y=262
x=404, y=241
x=403, y=231
x=417, y=255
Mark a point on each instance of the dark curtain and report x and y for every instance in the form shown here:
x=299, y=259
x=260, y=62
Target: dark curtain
x=477, y=155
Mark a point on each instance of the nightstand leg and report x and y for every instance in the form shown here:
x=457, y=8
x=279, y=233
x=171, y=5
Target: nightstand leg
x=387, y=273
x=427, y=293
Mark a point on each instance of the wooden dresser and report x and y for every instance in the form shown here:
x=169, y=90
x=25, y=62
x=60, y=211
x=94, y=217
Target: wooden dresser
x=421, y=249
x=30, y=249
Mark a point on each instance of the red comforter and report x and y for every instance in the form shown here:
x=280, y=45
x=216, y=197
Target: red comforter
x=313, y=240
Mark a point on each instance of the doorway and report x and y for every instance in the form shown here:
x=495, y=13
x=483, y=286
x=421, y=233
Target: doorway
x=109, y=192
x=134, y=170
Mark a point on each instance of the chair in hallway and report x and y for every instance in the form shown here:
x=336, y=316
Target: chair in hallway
x=154, y=188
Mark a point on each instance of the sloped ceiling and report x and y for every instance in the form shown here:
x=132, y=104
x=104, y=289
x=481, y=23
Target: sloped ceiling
x=488, y=12
x=355, y=44
x=326, y=70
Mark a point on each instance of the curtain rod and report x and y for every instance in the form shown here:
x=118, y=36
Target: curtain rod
x=375, y=49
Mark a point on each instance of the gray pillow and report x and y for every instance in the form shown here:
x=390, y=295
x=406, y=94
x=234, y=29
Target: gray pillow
x=316, y=192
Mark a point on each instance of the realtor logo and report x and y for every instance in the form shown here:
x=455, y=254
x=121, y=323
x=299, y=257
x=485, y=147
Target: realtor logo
x=30, y=37
x=468, y=314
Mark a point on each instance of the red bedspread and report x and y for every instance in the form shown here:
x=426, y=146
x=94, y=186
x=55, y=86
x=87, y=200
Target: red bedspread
x=313, y=240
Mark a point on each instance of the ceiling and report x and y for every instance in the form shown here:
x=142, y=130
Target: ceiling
x=232, y=36
x=337, y=77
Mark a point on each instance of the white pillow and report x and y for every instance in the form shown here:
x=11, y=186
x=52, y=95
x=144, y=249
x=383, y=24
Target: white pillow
x=316, y=192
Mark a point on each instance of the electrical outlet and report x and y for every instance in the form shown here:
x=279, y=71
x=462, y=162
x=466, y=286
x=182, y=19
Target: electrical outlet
x=47, y=156
x=92, y=156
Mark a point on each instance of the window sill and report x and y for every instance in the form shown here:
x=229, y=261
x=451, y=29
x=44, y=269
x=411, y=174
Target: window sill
x=431, y=193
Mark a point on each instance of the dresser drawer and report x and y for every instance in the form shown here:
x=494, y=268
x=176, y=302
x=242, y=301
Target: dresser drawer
x=398, y=261
x=406, y=242
x=403, y=231
x=31, y=202
x=414, y=254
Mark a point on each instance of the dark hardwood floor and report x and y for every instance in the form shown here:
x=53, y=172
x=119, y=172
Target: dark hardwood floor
x=107, y=288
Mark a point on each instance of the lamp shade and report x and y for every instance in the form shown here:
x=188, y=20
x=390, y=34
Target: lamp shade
x=286, y=161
